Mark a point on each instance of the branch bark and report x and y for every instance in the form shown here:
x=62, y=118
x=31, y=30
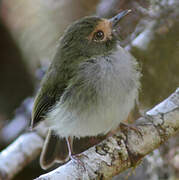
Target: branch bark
x=17, y=155
x=126, y=149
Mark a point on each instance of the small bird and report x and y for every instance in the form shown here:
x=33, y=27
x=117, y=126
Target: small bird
x=89, y=89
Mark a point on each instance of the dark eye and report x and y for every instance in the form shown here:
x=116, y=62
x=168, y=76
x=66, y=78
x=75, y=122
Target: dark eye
x=98, y=36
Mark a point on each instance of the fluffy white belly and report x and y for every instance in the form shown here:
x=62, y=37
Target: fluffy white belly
x=117, y=85
x=94, y=121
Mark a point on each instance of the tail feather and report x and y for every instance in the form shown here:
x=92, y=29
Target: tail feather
x=55, y=150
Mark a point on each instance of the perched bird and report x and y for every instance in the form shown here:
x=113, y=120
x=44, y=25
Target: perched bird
x=90, y=87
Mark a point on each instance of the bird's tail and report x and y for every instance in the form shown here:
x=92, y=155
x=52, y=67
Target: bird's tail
x=55, y=150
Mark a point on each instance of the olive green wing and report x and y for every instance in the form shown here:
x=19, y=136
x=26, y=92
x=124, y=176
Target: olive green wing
x=42, y=105
x=56, y=80
x=52, y=87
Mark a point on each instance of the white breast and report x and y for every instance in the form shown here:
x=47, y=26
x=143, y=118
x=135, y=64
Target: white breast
x=117, y=83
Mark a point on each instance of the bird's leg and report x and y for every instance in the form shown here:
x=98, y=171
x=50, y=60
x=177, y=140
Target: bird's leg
x=76, y=157
x=70, y=145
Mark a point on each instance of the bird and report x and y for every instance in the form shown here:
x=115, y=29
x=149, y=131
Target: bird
x=90, y=87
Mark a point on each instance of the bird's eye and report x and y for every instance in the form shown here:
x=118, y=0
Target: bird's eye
x=98, y=36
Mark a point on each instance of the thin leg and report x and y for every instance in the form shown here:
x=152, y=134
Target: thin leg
x=70, y=145
x=75, y=158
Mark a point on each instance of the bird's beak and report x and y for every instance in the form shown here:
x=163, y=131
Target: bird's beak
x=115, y=20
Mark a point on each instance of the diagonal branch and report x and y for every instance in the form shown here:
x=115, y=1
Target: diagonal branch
x=125, y=149
x=20, y=153
x=108, y=158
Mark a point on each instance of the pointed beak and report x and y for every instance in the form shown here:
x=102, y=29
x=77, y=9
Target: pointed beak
x=115, y=20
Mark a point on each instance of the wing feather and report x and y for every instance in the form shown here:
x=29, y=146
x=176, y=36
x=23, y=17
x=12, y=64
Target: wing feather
x=42, y=105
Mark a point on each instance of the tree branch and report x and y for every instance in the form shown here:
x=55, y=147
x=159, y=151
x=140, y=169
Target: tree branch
x=125, y=149
x=17, y=155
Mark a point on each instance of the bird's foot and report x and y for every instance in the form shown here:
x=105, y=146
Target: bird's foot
x=77, y=158
x=133, y=127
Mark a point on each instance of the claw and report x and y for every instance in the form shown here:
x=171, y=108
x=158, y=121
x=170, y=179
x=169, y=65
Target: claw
x=124, y=126
x=77, y=158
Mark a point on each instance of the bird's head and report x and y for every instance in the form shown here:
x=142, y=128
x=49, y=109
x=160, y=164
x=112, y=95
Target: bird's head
x=91, y=36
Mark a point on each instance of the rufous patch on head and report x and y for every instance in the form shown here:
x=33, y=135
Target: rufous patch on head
x=105, y=26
